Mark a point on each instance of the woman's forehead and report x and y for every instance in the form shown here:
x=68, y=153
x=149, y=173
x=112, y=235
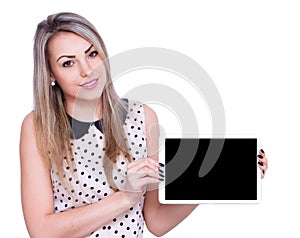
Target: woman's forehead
x=68, y=42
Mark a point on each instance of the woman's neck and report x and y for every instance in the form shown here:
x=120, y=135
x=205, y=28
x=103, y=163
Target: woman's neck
x=85, y=111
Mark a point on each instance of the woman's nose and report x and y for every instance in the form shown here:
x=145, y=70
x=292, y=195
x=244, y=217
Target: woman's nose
x=85, y=69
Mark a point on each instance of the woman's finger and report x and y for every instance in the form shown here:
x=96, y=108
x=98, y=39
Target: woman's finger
x=262, y=158
x=143, y=163
x=262, y=152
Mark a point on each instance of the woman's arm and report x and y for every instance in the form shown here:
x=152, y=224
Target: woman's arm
x=159, y=218
x=37, y=197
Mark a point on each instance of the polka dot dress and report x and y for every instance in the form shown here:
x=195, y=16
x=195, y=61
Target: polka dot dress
x=89, y=183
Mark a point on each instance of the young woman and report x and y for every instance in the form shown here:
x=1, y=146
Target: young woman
x=89, y=161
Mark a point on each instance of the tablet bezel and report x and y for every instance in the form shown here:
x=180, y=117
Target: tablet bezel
x=161, y=189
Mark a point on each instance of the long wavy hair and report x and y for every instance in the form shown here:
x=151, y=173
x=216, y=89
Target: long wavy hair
x=52, y=127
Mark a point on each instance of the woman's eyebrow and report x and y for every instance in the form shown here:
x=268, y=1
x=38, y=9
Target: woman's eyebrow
x=73, y=56
x=68, y=56
x=88, y=49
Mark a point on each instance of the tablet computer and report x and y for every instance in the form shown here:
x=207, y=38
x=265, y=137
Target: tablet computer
x=210, y=170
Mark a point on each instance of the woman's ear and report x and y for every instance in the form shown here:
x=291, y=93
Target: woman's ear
x=52, y=80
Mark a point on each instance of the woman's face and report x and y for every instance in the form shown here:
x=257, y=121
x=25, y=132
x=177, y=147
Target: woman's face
x=77, y=67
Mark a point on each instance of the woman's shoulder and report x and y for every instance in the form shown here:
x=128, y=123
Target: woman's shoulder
x=149, y=112
x=28, y=122
x=135, y=105
x=27, y=137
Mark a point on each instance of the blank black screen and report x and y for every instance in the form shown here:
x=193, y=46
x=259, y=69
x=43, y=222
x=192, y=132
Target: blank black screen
x=233, y=176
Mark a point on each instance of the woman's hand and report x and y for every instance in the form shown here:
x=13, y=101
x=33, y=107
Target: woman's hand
x=262, y=163
x=140, y=174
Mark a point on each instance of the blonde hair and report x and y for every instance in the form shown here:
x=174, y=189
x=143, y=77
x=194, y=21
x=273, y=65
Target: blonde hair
x=52, y=126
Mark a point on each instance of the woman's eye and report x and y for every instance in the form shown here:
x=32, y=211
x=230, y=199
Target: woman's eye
x=67, y=63
x=93, y=53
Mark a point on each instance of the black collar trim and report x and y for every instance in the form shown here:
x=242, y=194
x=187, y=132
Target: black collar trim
x=81, y=128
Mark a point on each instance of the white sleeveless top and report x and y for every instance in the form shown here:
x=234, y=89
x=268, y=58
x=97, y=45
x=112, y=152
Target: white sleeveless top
x=90, y=183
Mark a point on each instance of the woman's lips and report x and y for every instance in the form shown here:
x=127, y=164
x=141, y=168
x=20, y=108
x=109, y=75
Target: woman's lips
x=90, y=84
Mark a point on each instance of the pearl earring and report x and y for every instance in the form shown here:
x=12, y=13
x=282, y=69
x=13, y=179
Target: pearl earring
x=53, y=83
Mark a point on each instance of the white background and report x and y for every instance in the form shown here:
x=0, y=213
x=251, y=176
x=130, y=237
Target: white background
x=250, y=49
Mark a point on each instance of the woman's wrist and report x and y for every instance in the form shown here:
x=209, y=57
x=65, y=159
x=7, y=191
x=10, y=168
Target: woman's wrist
x=129, y=198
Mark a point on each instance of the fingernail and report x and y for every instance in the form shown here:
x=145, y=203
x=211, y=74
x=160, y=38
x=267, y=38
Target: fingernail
x=161, y=165
x=161, y=175
x=263, y=171
x=161, y=179
x=262, y=150
x=161, y=171
x=260, y=156
x=260, y=163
